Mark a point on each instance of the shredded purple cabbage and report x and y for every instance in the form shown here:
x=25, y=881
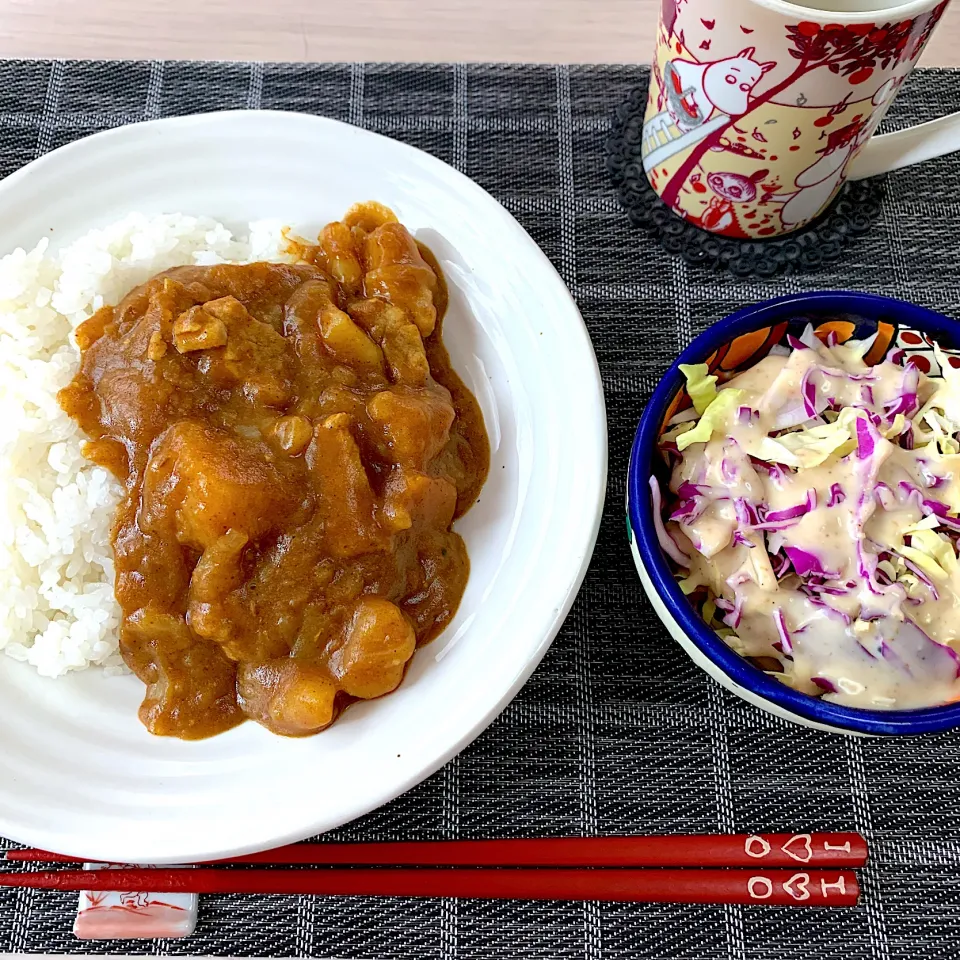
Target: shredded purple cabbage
x=746, y=512
x=791, y=513
x=667, y=543
x=866, y=439
x=786, y=644
x=808, y=390
x=811, y=567
x=805, y=563
x=922, y=577
x=896, y=356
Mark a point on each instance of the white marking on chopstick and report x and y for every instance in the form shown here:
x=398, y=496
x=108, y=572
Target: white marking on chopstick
x=760, y=888
x=798, y=886
x=756, y=847
x=840, y=886
x=806, y=847
x=843, y=847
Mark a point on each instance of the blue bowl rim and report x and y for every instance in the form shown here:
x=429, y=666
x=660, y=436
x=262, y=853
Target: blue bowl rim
x=640, y=511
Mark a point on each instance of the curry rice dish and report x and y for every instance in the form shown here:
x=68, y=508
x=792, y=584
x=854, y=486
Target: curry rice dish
x=292, y=447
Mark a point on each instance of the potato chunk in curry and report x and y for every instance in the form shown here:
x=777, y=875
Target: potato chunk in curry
x=379, y=641
x=295, y=448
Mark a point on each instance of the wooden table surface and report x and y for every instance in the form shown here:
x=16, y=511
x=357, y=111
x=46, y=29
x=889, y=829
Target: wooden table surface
x=575, y=31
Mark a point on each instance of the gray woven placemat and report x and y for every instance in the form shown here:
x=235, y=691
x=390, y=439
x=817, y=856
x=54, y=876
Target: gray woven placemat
x=617, y=732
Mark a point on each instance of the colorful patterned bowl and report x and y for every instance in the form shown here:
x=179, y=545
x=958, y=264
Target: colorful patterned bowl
x=726, y=347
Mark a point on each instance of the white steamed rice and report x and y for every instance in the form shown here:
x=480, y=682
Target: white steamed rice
x=57, y=607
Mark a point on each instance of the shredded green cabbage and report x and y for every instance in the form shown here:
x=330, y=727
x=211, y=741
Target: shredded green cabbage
x=813, y=445
x=701, y=385
x=714, y=418
x=930, y=522
x=688, y=585
x=931, y=553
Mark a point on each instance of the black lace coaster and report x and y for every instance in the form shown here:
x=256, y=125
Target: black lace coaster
x=853, y=212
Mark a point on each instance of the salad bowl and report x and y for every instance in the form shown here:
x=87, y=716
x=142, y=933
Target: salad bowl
x=731, y=345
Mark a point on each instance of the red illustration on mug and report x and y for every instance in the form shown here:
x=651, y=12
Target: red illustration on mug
x=796, y=106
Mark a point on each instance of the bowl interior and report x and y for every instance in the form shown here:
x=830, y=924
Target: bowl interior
x=733, y=344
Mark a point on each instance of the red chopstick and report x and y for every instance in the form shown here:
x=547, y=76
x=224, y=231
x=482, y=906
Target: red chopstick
x=802, y=850
x=823, y=888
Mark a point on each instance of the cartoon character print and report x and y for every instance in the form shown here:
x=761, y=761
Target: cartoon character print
x=668, y=14
x=718, y=215
x=700, y=89
x=736, y=187
x=882, y=100
x=699, y=98
x=821, y=180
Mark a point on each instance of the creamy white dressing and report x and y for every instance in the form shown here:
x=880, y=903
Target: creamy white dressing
x=802, y=522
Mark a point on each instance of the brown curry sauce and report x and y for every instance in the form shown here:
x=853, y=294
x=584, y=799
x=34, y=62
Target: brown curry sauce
x=294, y=447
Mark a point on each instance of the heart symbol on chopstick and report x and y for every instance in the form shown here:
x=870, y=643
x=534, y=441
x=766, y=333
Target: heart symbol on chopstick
x=802, y=842
x=798, y=886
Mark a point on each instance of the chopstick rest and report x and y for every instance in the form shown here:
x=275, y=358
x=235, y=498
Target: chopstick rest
x=129, y=915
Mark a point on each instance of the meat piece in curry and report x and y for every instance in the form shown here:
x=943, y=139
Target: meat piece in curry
x=294, y=447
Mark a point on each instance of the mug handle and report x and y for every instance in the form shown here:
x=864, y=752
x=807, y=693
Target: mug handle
x=891, y=151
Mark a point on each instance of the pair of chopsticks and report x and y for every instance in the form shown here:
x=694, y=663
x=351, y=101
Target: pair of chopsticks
x=773, y=869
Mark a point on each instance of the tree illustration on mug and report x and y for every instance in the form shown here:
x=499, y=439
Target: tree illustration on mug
x=854, y=51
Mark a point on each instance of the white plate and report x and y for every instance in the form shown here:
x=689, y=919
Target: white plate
x=78, y=774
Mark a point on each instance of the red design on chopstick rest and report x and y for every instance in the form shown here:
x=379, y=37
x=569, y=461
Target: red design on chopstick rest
x=118, y=914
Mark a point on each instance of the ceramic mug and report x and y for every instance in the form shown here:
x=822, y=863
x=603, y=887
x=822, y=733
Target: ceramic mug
x=760, y=110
